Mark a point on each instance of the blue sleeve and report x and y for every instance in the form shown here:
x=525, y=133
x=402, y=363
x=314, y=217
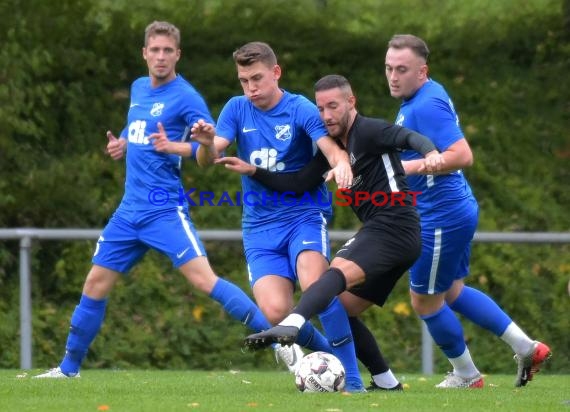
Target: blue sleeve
x=436, y=119
x=195, y=108
x=308, y=116
x=228, y=126
x=125, y=131
x=194, y=145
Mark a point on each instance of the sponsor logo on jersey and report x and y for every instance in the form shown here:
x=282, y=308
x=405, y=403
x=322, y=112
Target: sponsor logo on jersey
x=136, y=132
x=356, y=181
x=266, y=158
x=352, y=159
x=400, y=119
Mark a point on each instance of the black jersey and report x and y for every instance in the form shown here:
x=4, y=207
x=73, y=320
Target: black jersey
x=379, y=189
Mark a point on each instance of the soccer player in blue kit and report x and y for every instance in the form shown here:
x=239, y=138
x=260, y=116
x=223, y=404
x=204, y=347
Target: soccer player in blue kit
x=280, y=131
x=449, y=215
x=366, y=268
x=150, y=214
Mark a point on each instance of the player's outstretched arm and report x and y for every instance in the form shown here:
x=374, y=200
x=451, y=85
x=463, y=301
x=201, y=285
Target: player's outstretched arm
x=210, y=144
x=235, y=164
x=455, y=157
x=304, y=180
x=341, y=171
x=395, y=136
x=162, y=144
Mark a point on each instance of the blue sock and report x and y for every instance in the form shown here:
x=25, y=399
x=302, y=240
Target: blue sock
x=335, y=323
x=446, y=331
x=86, y=321
x=239, y=305
x=481, y=310
x=311, y=338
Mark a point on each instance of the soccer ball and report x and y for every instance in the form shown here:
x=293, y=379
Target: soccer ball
x=320, y=372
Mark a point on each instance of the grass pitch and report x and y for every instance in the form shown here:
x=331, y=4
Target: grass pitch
x=166, y=391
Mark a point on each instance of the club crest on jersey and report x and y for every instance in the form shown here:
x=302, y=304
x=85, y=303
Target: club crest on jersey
x=156, y=109
x=283, y=132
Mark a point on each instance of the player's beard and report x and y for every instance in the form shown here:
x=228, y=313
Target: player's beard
x=339, y=129
x=335, y=131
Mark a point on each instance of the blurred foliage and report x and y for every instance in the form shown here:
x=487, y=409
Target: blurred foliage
x=65, y=81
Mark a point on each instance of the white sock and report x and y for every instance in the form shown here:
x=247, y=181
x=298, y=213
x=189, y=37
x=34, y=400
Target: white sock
x=293, y=319
x=463, y=365
x=519, y=341
x=385, y=380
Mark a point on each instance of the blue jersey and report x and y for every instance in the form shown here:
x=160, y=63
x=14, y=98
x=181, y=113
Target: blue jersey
x=444, y=198
x=281, y=139
x=153, y=178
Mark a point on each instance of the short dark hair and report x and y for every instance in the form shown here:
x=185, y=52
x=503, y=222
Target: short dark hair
x=332, y=81
x=254, y=52
x=409, y=41
x=162, y=28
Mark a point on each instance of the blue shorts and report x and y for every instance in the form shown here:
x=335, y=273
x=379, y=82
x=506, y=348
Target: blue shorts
x=129, y=235
x=445, y=255
x=274, y=252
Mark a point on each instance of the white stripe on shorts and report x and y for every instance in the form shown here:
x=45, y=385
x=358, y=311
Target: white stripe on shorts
x=435, y=260
x=189, y=232
x=324, y=247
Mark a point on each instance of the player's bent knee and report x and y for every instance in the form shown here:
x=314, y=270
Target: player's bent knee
x=274, y=314
x=200, y=275
x=426, y=304
x=99, y=282
x=203, y=282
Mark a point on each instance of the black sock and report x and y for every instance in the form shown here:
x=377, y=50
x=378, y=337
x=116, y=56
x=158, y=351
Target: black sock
x=367, y=349
x=320, y=294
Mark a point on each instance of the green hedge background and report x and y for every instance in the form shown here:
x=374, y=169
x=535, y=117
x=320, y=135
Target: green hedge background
x=67, y=67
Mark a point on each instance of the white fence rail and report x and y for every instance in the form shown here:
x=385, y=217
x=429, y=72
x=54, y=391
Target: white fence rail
x=27, y=235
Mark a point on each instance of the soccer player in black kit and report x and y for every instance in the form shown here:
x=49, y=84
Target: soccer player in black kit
x=369, y=264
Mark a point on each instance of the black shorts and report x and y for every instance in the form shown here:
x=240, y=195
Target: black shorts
x=384, y=252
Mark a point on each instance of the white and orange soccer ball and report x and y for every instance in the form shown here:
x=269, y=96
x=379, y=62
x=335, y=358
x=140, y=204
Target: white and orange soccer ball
x=320, y=372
